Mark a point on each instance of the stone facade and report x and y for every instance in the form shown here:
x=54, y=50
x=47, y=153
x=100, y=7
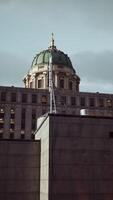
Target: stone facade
x=20, y=108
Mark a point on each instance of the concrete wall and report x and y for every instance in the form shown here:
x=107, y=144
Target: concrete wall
x=43, y=133
x=19, y=170
x=80, y=157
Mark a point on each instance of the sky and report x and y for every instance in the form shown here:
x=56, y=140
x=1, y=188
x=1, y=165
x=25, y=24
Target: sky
x=83, y=29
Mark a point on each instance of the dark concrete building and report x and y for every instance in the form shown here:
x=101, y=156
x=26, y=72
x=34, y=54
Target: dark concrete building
x=19, y=170
x=76, y=158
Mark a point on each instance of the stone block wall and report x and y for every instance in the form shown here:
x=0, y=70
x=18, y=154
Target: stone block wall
x=76, y=158
x=19, y=170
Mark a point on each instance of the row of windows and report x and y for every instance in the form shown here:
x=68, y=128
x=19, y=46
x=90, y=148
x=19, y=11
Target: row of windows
x=63, y=99
x=92, y=102
x=24, y=98
x=12, y=135
x=61, y=84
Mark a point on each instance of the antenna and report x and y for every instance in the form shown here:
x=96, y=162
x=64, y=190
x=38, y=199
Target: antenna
x=51, y=89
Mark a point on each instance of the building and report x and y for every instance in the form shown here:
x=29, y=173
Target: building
x=20, y=107
x=76, y=157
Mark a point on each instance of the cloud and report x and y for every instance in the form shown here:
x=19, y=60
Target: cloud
x=95, y=70
x=12, y=69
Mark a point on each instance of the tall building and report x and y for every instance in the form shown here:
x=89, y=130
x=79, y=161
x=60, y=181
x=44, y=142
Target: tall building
x=20, y=107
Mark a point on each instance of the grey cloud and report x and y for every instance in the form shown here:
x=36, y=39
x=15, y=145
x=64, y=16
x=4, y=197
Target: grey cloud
x=12, y=69
x=95, y=69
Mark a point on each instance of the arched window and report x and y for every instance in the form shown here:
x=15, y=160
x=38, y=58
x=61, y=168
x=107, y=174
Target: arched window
x=61, y=83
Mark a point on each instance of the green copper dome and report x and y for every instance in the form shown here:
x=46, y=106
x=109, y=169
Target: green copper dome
x=58, y=57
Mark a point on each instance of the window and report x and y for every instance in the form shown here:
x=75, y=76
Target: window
x=1, y=125
x=24, y=98
x=73, y=101
x=23, y=116
x=40, y=83
x=82, y=101
x=63, y=100
x=11, y=135
x=22, y=124
x=61, y=83
x=70, y=85
x=33, y=120
x=23, y=113
x=33, y=114
x=32, y=136
x=22, y=136
x=109, y=103
x=91, y=102
x=12, y=126
x=2, y=115
x=3, y=96
x=1, y=134
x=13, y=97
x=34, y=98
x=44, y=99
x=101, y=102
x=12, y=113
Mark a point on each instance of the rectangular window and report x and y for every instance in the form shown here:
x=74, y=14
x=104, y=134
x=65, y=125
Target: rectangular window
x=11, y=135
x=12, y=126
x=1, y=135
x=34, y=98
x=3, y=96
x=33, y=120
x=22, y=136
x=23, y=113
x=61, y=83
x=63, y=100
x=24, y=98
x=109, y=103
x=82, y=101
x=44, y=99
x=91, y=102
x=23, y=117
x=32, y=136
x=13, y=97
x=73, y=101
x=101, y=102
x=40, y=83
x=12, y=113
x=70, y=85
x=1, y=115
x=1, y=125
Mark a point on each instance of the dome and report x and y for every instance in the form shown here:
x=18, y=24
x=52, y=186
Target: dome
x=58, y=57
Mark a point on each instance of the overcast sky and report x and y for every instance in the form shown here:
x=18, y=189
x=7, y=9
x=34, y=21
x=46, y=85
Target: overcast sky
x=83, y=29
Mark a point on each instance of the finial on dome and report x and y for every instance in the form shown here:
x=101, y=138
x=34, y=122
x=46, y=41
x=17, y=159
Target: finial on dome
x=52, y=40
x=52, y=44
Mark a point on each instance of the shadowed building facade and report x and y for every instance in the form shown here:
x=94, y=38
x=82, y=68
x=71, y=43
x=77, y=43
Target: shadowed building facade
x=76, y=158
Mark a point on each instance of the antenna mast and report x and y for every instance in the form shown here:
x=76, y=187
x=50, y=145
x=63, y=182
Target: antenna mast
x=51, y=88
